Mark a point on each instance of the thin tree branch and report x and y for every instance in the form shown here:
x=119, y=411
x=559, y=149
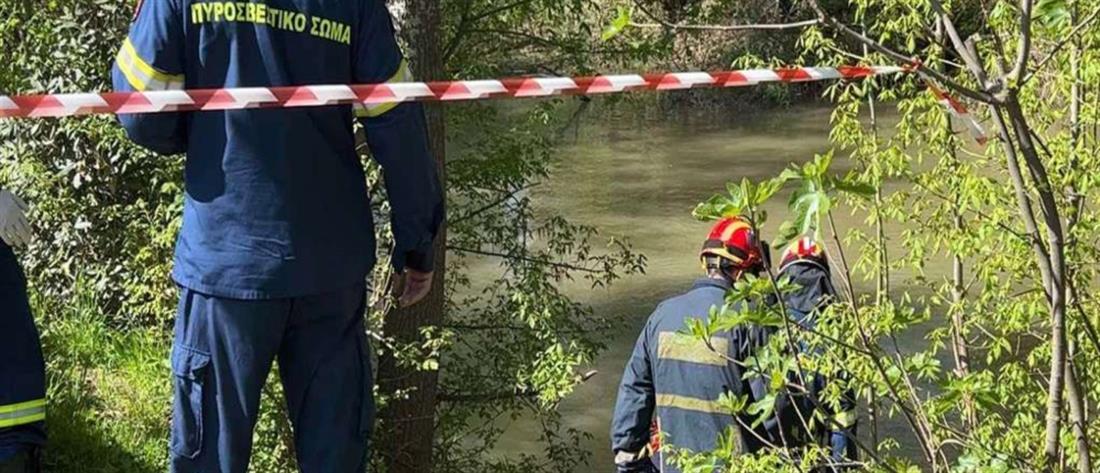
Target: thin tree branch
x=489, y=207
x=927, y=74
x=998, y=41
x=519, y=393
x=511, y=328
x=524, y=258
x=919, y=429
x=746, y=27
x=1024, y=51
x=495, y=11
x=452, y=47
x=1022, y=236
x=1061, y=44
x=961, y=49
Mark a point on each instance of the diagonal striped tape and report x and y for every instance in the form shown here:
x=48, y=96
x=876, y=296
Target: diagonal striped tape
x=67, y=105
x=960, y=112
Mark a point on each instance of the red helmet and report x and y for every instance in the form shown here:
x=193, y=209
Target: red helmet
x=804, y=250
x=733, y=239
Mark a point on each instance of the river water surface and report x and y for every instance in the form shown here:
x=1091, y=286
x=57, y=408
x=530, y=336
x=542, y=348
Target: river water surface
x=640, y=178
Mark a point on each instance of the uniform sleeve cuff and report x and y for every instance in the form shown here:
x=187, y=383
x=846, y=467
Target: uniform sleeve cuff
x=422, y=260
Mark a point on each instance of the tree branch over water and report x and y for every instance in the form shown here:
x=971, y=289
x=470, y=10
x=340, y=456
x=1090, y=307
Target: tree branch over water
x=519, y=393
x=524, y=258
x=745, y=27
x=664, y=24
x=1061, y=44
x=927, y=74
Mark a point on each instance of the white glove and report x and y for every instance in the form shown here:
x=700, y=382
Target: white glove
x=14, y=229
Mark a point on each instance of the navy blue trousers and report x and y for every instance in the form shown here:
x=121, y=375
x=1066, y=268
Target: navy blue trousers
x=22, y=370
x=223, y=352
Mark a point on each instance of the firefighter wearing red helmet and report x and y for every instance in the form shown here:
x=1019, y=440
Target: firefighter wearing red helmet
x=805, y=264
x=733, y=248
x=675, y=380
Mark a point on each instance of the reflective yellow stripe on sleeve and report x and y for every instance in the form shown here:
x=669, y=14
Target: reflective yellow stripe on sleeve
x=691, y=404
x=847, y=418
x=687, y=348
x=22, y=413
x=403, y=74
x=141, y=75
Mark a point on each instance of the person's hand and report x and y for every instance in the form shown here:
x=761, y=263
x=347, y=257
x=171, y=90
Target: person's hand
x=626, y=462
x=14, y=229
x=417, y=285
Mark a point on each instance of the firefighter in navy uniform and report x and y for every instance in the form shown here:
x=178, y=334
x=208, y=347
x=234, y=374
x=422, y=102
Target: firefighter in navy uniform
x=677, y=381
x=22, y=370
x=804, y=261
x=277, y=237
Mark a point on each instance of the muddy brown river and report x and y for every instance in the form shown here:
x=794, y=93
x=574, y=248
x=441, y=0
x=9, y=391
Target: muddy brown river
x=640, y=178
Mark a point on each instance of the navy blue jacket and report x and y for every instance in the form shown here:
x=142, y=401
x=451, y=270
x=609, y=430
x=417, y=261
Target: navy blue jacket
x=675, y=378
x=814, y=293
x=276, y=202
x=22, y=369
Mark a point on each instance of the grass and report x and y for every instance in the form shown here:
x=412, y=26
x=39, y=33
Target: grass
x=108, y=393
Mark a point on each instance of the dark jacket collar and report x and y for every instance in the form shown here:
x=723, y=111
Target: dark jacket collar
x=711, y=282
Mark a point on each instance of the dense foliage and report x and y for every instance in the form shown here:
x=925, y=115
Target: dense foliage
x=995, y=248
x=106, y=215
x=1010, y=327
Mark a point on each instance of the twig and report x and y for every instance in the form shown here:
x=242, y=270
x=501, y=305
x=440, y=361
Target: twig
x=927, y=74
x=746, y=27
x=1023, y=53
x=918, y=429
x=1022, y=236
x=524, y=393
x=524, y=258
x=466, y=20
x=489, y=207
x=1061, y=44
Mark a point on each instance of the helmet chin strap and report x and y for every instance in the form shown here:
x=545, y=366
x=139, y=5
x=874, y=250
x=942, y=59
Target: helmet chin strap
x=730, y=273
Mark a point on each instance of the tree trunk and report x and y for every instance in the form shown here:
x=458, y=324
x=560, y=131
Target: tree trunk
x=409, y=423
x=1078, y=417
x=1057, y=284
x=1074, y=394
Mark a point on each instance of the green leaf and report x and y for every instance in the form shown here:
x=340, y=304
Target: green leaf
x=718, y=206
x=618, y=24
x=788, y=231
x=858, y=189
x=1052, y=13
x=762, y=409
x=766, y=190
x=808, y=209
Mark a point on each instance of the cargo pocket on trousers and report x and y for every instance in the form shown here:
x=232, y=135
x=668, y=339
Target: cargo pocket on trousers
x=189, y=368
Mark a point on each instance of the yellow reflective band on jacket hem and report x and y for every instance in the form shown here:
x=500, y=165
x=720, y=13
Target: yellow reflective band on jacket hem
x=846, y=419
x=142, y=76
x=403, y=74
x=691, y=404
x=23, y=413
x=687, y=348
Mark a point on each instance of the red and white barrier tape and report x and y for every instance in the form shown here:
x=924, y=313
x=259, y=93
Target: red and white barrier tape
x=67, y=105
x=959, y=111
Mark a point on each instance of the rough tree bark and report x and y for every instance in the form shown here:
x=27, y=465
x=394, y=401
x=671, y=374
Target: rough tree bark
x=409, y=424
